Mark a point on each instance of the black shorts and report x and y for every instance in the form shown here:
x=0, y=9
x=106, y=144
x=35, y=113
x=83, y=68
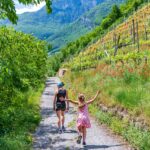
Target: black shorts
x=60, y=106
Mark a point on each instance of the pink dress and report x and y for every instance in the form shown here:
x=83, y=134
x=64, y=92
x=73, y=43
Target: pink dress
x=83, y=117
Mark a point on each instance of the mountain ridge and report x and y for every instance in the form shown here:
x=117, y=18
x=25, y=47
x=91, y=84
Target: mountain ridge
x=68, y=21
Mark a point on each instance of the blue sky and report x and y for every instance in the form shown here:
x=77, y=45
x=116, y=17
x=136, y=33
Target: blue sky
x=31, y=8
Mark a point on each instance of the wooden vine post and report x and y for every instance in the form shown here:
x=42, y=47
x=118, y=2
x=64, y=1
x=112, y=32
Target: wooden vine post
x=115, y=44
x=133, y=30
x=145, y=30
x=97, y=55
x=80, y=63
x=117, y=39
x=137, y=34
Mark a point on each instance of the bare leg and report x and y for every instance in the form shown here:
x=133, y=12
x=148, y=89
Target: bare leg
x=59, y=118
x=63, y=117
x=80, y=135
x=80, y=130
x=84, y=134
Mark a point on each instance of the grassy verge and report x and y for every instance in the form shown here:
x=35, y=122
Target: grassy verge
x=138, y=138
x=25, y=118
x=123, y=86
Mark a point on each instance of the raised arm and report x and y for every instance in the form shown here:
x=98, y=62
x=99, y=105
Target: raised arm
x=92, y=100
x=72, y=101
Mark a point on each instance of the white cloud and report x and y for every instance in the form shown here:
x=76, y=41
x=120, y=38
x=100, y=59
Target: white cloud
x=31, y=8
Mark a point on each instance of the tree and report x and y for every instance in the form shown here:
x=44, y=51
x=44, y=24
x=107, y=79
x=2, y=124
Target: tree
x=115, y=13
x=7, y=8
x=135, y=5
x=106, y=23
x=112, y=17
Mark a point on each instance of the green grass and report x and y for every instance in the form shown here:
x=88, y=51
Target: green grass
x=125, y=86
x=137, y=137
x=26, y=120
x=130, y=90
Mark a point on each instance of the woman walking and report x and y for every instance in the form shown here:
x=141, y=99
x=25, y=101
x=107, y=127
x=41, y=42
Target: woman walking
x=59, y=105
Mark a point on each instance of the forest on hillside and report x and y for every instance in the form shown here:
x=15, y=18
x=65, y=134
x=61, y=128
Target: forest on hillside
x=117, y=15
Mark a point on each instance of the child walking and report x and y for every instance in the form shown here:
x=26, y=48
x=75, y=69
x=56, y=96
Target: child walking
x=83, y=120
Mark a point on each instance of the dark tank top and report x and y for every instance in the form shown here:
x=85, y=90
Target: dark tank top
x=61, y=93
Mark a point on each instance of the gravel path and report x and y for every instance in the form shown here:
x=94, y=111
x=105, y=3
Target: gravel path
x=47, y=138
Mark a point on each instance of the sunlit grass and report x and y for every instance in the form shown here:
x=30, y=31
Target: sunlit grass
x=126, y=86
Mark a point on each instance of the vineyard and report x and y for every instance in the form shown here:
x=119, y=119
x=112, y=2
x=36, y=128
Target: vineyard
x=121, y=71
x=127, y=41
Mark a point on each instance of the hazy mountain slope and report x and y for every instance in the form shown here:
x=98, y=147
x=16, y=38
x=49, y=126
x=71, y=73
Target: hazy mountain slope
x=82, y=25
x=69, y=20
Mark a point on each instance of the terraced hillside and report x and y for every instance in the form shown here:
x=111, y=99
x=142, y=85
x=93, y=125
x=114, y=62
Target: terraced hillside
x=121, y=43
x=118, y=65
